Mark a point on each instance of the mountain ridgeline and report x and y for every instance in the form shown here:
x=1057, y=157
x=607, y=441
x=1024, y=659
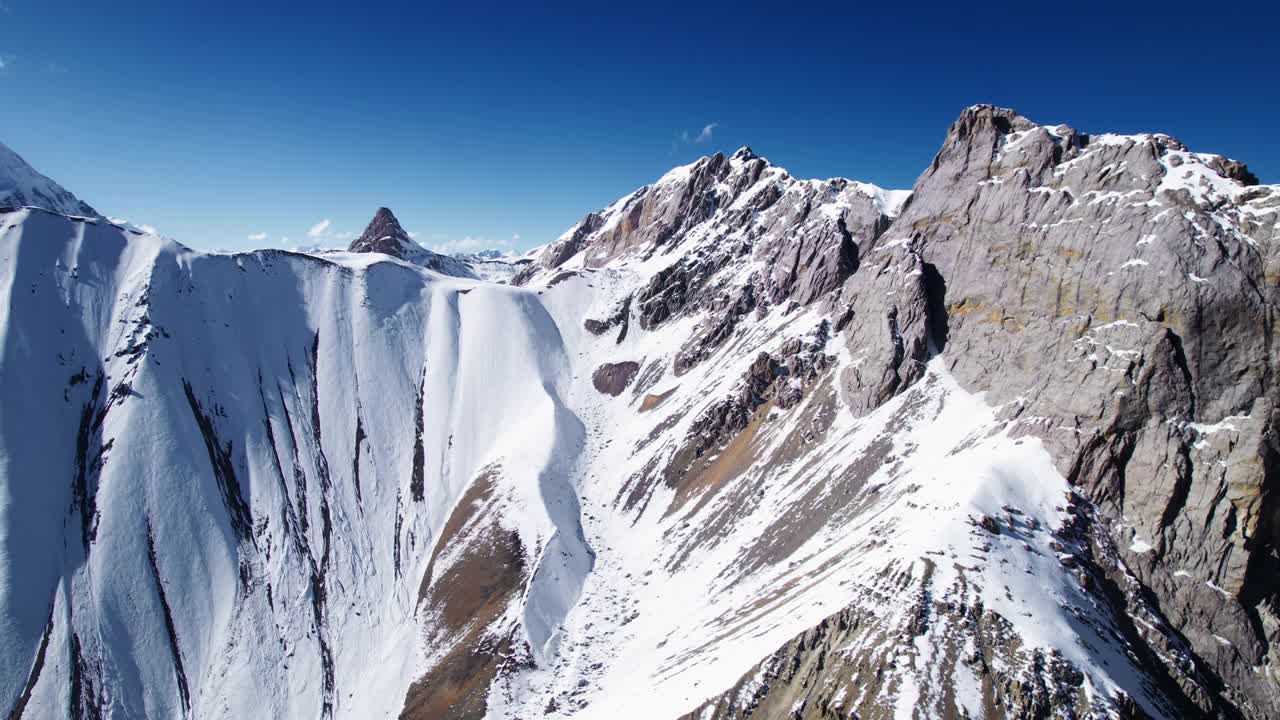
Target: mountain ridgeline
x=1006, y=445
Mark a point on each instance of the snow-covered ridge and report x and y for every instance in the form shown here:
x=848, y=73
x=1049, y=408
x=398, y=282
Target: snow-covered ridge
x=709, y=206
x=1207, y=178
x=238, y=439
x=22, y=186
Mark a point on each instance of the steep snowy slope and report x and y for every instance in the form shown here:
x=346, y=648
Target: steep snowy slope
x=212, y=509
x=739, y=444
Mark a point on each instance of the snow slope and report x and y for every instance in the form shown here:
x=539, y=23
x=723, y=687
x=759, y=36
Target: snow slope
x=211, y=510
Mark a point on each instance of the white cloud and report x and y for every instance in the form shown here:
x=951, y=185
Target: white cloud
x=703, y=137
x=148, y=229
x=1, y=62
x=258, y=237
x=318, y=230
x=323, y=235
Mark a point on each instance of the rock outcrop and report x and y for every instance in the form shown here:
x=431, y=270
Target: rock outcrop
x=612, y=378
x=1117, y=295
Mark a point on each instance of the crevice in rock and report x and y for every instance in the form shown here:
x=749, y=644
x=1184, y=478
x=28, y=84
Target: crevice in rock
x=417, y=479
x=33, y=677
x=1180, y=359
x=322, y=462
x=85, y=700
x=224, y=470
x=299, y=477
x=935, y=288
x=171, y=632
x=355, y=455
x=395, y=549
x=1181, y=488
x=90, y=455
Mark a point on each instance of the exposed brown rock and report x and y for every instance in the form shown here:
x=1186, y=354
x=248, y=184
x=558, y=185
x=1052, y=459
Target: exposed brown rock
x=652, y=401
x=464, y=601
x=613, y=378
x=383, y=235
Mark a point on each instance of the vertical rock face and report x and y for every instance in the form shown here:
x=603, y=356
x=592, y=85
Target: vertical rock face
x=1118, y=295
x=738, y=445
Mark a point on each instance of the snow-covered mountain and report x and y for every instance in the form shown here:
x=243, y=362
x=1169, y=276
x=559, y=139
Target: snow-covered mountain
x=740, y=444
x=487, y=255
x=494, y=265
x=22, y=186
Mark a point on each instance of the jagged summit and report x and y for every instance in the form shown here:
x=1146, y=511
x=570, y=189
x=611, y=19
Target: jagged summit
x=385, y=235
x=979, y=127
x=718, y=205
x=22, y=186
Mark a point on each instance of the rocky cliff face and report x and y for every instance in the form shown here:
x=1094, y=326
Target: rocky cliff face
x=1114, y=296
x=1118, y=296
x=738, y=445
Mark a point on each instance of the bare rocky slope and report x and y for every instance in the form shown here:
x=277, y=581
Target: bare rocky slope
x=738, y=445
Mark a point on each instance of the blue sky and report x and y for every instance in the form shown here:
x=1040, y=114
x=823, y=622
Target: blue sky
x=495, y=124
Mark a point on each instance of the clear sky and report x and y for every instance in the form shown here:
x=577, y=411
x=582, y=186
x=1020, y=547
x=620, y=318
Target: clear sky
x=494, y=123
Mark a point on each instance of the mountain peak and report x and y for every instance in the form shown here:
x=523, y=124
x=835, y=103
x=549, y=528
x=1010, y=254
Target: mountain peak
x=976, y=119
x=744, y=153
x=21, y=185
x=384, y=235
